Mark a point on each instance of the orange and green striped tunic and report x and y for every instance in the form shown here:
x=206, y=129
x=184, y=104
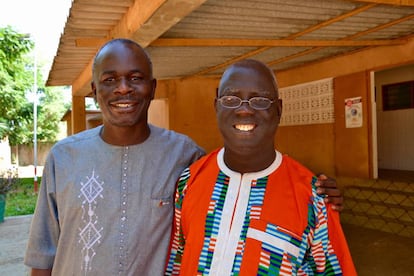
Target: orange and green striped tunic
x=270, y=222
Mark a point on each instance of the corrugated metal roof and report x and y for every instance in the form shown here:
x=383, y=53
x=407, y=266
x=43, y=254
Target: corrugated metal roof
x=174, y=32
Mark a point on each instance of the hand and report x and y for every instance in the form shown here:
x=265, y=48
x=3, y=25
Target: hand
x=327, y=186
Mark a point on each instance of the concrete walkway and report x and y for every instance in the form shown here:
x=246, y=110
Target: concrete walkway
x=375, y=253
x=14, y=232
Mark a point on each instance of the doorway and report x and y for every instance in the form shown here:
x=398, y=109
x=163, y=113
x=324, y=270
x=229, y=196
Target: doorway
x=394, y=111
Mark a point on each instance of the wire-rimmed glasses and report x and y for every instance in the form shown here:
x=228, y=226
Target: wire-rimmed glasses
x=258, y=103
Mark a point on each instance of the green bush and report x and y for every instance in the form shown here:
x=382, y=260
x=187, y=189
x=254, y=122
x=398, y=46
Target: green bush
x=21, y=200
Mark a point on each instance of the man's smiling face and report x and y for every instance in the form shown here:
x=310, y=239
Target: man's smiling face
x=244, y=128
x=123, y=85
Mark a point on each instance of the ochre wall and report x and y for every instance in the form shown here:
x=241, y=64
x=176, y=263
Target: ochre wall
x=328, y=148
x=333, y=148
x=312, y=145
x=352, y=145
x=191, y=109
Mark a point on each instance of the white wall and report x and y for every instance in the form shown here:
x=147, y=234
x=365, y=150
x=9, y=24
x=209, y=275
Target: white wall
x=395, y=128
x=5, y=153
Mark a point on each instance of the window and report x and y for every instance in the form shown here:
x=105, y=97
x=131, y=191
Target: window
x=398, y=96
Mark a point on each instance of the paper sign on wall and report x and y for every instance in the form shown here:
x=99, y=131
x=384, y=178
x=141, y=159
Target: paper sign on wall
x=353, y=112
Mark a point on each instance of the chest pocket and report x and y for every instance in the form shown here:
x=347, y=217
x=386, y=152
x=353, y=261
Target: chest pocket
x=271, y=248
x=162, y=202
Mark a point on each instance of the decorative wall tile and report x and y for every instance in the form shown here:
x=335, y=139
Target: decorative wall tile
x=308, y=103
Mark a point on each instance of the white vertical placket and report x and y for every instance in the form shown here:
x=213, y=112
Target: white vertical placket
x=234, y=212
x=123, y=218
x=232, y=219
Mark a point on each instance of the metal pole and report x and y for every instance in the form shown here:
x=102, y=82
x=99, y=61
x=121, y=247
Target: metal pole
x=35, y=119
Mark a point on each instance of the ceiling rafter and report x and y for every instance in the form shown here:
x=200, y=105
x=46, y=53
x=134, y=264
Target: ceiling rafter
x=359, y=34
x=215, y=42
x=125, y=27
x=383, y=26
x=173, y=31
x=331, y=21
x=290, y=37
x=389, y=2
x=134, y=23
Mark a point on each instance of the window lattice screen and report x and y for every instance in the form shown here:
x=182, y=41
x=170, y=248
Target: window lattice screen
x=308, y=103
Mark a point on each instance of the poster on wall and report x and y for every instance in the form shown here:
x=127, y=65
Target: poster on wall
x=353, y=112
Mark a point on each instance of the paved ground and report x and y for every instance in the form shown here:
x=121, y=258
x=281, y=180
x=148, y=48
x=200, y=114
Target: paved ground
x=375, y=253
x=13, y=238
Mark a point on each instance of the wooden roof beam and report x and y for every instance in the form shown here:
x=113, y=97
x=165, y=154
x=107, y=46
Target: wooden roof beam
x=331, y=21
x=315, y=49
x=389, y=2
x=218, y=42
x=374, y=58
x=144, y=22
x=293, y=36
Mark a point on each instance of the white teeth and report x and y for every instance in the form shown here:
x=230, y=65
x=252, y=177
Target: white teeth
x=123, y=105
x=244, y=127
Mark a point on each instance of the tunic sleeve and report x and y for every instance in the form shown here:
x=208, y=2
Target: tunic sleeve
x=328, y=252
x=339, y=243
x=177, y=241
x=44, y=230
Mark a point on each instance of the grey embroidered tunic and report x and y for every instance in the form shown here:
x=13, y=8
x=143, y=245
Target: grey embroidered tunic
x=107, y=210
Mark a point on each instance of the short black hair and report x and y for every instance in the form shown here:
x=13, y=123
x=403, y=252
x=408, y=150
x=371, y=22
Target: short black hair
x=121, y=41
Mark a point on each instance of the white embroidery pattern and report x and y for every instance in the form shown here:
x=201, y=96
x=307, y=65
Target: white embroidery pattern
x=89, y=235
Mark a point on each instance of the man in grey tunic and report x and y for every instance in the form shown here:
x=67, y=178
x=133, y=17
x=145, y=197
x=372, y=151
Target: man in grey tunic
x=105, y=201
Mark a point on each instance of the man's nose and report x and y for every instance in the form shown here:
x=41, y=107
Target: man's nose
x=123, y=85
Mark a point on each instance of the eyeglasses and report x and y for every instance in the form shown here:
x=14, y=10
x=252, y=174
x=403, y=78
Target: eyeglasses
x=258, y=103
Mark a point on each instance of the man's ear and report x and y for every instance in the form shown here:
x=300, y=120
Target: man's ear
x=93, y=87
x=154, y=87
x=279, y=108
x=215, y=100
x=280, y=104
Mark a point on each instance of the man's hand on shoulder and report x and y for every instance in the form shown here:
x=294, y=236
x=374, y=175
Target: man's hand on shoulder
x=327, y=186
